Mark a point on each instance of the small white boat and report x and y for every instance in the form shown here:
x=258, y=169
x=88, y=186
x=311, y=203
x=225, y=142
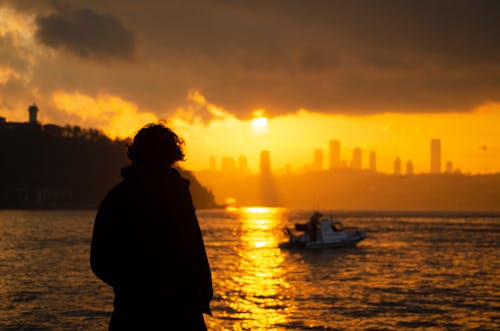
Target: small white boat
x=322, y=233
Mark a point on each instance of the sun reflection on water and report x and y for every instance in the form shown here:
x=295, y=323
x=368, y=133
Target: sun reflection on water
x=260, y=281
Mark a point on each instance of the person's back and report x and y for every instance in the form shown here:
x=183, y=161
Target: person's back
x=147, y=245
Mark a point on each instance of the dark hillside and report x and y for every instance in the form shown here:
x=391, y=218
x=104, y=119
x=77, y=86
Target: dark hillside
x=64, y=167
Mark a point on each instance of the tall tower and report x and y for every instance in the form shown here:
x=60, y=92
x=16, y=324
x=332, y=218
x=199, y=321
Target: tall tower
x=409, y=168
x=449, y=167
x=435, y=156
x=397, y=166
x=265, y=163
x=318, y=160
x=356, y=158
x=334, y=154
x=33, y=110
x=373, y=161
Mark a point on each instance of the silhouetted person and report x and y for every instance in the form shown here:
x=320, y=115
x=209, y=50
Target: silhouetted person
x=313, y=225
x=147, y=243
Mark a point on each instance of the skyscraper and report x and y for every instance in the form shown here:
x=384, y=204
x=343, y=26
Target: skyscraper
x=334, y=154
x=373, y=161
x=397, y=166
x=449, y=167
x=317, y=164
x=356, y=158
x=435, y=156
x=265, y=163
x=267, y=186
x=409, y=168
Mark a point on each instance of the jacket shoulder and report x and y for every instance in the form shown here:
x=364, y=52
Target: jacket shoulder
x=115, y=193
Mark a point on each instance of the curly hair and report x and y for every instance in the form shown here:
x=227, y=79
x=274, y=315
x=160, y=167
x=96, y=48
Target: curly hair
x=156, y=145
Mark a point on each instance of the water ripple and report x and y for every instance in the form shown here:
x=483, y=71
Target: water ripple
x=409, y=274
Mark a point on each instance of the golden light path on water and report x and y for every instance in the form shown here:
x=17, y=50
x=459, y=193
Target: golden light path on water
x=260, y=276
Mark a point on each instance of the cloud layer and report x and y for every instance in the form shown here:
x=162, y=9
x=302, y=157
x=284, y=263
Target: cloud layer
x=343, y=57
x=85, y=33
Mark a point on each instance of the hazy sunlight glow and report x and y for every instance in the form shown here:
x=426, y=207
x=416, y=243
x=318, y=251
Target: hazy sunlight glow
x=468, y=138
x=259, y=122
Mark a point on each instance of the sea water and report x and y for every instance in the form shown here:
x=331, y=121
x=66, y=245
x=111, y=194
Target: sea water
x=411, y=273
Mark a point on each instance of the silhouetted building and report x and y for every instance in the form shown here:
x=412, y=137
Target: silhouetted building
x=33, y=110
x=373, y=161
x=243, y=164
x=29, y=126
x=449, y=167
x=212, y=163
x=228, y=164
x=356, y=158
x=334, y=154
x=409, y=168
x=435, y=156
x=317, y=164
x=267, y=185
x=265, y=162
x=397, y=166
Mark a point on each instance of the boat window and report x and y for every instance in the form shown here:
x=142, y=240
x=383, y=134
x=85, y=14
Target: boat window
x=337, y=227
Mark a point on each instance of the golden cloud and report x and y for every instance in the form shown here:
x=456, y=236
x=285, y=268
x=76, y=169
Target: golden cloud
x=113, y=115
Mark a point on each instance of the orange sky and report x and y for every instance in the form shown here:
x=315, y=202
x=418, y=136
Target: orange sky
x=207, y=68
x=469, y=140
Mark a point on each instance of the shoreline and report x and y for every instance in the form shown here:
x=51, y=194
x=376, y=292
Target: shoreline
x=335, y=213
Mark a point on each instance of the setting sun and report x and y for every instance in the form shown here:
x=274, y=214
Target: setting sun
x=259, y=122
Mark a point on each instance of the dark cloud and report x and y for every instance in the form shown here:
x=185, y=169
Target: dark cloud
x=326, y=55
x=86, y=33
x=27, y=5
x=10, y=56
x=313, y=60
x=352, y=56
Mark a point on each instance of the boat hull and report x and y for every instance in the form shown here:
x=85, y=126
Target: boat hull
x=350, y=241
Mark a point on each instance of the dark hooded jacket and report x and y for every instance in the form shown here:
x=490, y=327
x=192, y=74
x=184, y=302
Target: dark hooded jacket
x=148, y=246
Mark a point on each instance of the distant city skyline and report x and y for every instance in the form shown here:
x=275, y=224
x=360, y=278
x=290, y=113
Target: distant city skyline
x=317, y=162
